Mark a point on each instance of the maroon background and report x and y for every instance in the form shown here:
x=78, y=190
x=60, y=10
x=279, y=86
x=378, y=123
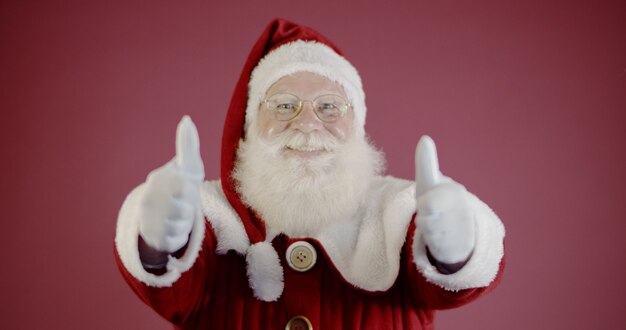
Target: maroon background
x=525, y=100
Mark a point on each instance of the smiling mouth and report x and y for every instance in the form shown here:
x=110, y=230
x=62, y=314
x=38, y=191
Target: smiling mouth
x=305, y=151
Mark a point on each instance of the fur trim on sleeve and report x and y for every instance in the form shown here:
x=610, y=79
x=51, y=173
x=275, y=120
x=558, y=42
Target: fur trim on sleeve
x=126, y=236
x=482, y=267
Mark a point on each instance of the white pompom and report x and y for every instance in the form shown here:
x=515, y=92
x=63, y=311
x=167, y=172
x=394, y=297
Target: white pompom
x=265, y=274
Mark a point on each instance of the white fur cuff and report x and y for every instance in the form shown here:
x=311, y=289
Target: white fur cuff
x=482, y=267
x=127, y=233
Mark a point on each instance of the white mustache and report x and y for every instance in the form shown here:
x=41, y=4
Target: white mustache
x=308, y=141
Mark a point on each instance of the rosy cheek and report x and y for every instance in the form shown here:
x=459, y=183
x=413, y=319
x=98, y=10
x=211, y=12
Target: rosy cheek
x=342, y=129
x=273, y=128
x=341, y=132
x=270, y=131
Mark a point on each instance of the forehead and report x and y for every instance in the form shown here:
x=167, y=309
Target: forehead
x=306, y=84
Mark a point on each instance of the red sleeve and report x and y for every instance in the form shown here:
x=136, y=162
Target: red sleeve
x=185, y=295
x=432, y=296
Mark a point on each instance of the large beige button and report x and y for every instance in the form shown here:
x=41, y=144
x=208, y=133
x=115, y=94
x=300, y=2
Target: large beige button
x=299, y=323
x=301, y=256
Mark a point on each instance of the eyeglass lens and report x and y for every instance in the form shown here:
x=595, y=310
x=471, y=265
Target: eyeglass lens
x=328, y=108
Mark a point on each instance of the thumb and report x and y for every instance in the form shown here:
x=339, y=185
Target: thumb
x=427, y=174
x=188, y=148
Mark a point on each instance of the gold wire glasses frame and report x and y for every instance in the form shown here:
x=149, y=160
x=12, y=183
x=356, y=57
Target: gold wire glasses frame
x=328, y=108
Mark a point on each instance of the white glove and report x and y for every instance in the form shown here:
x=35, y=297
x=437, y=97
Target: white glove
x=444, y=216
x=171, y=200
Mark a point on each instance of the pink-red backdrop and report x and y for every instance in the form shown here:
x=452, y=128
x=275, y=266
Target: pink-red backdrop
x=525, y=100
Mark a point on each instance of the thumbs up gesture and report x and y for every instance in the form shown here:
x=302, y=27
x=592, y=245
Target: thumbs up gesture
x=444, y=216
x=171, y=200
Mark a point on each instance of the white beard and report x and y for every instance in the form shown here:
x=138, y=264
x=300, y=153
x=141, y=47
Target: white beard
x=300, y=196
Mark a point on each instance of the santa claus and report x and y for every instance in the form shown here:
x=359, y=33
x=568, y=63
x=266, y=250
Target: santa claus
x=303, y=231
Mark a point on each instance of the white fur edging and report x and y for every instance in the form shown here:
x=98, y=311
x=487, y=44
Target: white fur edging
x=231, y=235
x=366, y=251
x=126, y=239
x=265, y=273
x=484, y=264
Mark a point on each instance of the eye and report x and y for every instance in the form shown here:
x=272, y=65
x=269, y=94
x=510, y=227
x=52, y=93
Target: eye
x=283, y=105
x=326, y=107
x=286, y=106
x=329, y=104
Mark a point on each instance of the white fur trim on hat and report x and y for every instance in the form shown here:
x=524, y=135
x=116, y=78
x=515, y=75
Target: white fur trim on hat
x=265, y=274
x=309, y=56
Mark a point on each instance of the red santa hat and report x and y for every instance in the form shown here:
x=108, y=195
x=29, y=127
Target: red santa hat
x=284, y=48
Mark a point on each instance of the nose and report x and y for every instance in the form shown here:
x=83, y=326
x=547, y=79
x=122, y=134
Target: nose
x=307, y=120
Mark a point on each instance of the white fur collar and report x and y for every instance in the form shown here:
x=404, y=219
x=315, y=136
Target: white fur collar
x=365, y=249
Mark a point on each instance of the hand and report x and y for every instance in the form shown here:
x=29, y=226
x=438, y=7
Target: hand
x=171, y=200
x=444, y=216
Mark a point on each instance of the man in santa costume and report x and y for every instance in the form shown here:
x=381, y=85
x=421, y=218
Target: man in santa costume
x=303, y=231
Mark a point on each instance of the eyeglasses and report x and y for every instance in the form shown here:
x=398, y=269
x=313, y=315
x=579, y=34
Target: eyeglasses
x=328, y=108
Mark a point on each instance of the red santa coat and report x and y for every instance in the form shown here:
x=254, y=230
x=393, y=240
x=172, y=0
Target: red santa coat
x=372, y=270
x=392, y=287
